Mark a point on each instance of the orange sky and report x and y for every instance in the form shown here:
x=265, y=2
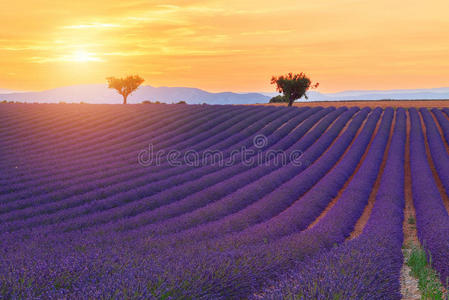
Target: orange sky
x=233, y=45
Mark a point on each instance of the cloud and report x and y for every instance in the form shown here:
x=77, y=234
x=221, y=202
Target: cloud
x=92, y=25
x=268, y=32
x=78, y=57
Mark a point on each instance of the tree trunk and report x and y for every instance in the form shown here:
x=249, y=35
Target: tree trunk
x=290, y=101
x=124, y=99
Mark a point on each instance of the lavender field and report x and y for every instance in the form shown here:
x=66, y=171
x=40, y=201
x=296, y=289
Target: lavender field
x=217, y=202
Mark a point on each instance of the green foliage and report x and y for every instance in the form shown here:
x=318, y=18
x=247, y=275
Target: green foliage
x=293, y=86
x=279, y=99
x=181, y=102
x=125, y=86
x=428, y=280
x=150, y=102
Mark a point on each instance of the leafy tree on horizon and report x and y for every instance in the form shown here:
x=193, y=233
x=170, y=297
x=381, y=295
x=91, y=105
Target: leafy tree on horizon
x=125, y=86
x=293, y=86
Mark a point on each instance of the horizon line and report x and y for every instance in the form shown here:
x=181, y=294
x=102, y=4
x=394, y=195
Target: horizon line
x=12, y=91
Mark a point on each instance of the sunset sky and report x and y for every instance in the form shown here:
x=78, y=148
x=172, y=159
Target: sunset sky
x=227, y=45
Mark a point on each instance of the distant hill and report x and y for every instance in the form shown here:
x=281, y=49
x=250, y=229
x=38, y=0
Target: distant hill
x=99, y=93
x=405, y=94
x=3, y=91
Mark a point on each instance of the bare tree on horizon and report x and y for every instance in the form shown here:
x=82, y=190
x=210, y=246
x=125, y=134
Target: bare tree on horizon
x=125, y=86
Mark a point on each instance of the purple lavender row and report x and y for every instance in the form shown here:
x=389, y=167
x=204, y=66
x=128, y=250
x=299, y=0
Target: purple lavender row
x=446, y=111
x=144, y=217
x=20, y=124
x=114, y=162
x=8, y=202
x=19, y=173
x=369, y=266
x=101, y=266
x=232, y=194
x=438, y=150
x=155, y=126
x=305, y=197
x=165, y=196
x=215, y=271
x=432, y=218
x=128, y=126
x=115, y=167
x=34, y=192
x=64, y=124
x=80, y=268
x=161, y=185
x=443, y=121
x=187, y=112
x=113, y=159
x=25, y=178
x=47, y=126
x=133, y=137
x=102, y=154
x=271, y=205
x=16, y=116
x=123, y=179
x=439, y=155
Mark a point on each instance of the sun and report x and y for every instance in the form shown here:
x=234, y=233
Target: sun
x=83, y=56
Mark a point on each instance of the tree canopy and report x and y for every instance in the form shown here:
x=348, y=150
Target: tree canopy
x=293, y=86
x=125, y=86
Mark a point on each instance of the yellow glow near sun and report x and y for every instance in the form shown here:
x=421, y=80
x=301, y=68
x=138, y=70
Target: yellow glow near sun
x=83, y=56
x=226, y=44
x=78, y=56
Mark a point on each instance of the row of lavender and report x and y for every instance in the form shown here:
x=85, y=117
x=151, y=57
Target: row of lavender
x=102, y=160
x=294, y=134
x=308, y=139
x=164, y=189
x=432, y=218
x=127, y=173
x=111, y=155
x=227, y=232
x=368, y=267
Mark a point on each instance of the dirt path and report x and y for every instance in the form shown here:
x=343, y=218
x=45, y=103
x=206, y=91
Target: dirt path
x=409, y=284
x=340, y=192
x=442, y=189
x=437, y=179
x=361, y=222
